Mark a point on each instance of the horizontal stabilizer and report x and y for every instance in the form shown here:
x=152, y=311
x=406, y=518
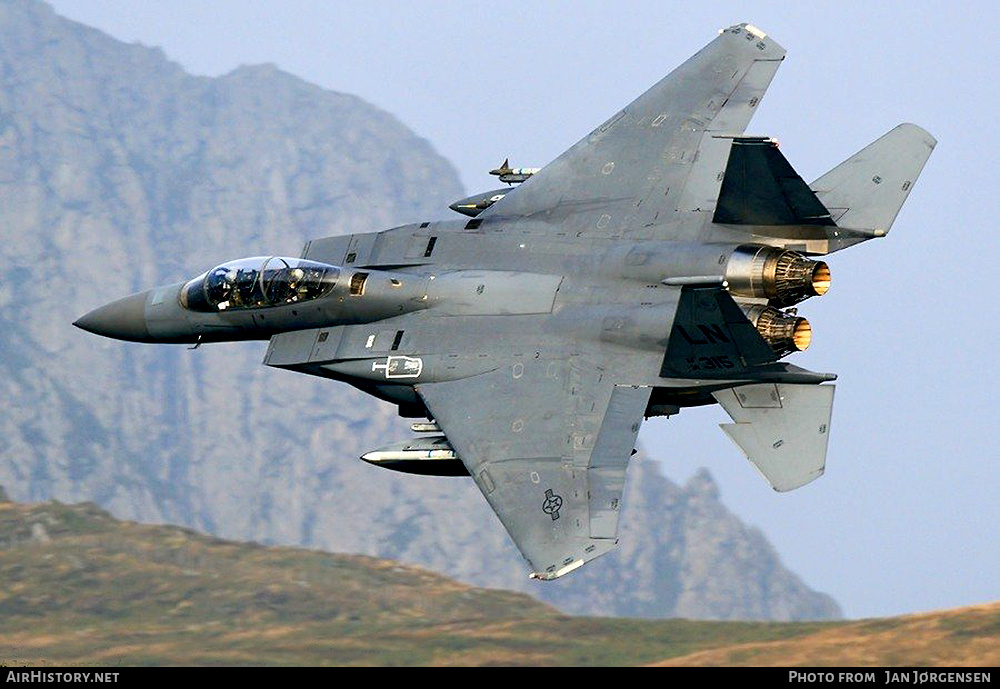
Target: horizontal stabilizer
x=782, y=428
x=866, y=191
x=761, y=188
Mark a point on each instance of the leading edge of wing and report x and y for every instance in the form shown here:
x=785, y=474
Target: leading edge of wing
x=547, y=442
x=662, y=137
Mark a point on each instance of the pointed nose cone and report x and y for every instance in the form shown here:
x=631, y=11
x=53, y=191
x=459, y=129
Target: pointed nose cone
x=124, y=319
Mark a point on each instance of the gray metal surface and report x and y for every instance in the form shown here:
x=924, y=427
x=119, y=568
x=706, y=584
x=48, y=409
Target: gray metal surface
x=612, y=285
x=782, y=429
x=761, y=188
x=547, y=441
x=663, y=152
x=866, y=191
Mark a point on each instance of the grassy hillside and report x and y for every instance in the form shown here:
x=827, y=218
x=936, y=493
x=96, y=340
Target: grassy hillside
x=81, y=587
x=119, y=171
x=965, y=636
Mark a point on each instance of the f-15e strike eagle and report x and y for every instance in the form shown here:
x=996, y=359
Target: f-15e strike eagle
x=649, y=268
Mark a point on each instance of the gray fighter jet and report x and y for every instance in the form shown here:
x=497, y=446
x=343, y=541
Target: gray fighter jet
x=649, y=268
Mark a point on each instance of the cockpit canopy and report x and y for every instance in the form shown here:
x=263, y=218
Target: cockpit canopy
x=258, y=282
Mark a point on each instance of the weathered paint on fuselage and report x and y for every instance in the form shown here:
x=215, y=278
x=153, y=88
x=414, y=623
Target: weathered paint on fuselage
x=493, y=286
x=610, y=292
x=647, y=268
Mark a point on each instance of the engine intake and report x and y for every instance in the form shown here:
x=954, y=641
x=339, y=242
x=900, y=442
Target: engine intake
x=784, y=277
x=785, y=333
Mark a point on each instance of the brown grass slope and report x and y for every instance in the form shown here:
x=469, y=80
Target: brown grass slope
x=119, y=171
x=967, y=636
x=79, y=587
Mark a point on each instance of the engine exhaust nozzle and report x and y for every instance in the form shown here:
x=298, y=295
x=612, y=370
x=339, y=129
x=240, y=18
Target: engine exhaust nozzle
x=784, y=332
x=783, y=277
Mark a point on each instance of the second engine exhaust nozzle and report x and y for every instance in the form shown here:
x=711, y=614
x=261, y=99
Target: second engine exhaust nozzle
x=783, y=277
x=785, y=333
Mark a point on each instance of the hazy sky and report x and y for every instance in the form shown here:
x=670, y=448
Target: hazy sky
x=907, y=517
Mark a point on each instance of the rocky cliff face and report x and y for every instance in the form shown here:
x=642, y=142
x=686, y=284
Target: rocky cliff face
x=119, y=171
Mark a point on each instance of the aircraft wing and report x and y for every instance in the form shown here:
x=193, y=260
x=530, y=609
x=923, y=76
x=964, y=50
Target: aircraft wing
x=547, y=441
x=665, y=151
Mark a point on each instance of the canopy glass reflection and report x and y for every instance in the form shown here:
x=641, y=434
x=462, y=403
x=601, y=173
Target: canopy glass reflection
x=259, y=282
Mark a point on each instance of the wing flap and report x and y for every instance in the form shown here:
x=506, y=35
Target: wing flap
x=609, y=460
x=547, y=441
x=782, y=428
x=701, y=190
x=542, y=503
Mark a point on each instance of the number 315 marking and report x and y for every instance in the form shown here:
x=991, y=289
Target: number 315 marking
x=714, y=362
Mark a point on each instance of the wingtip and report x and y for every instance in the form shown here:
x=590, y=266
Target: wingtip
x=917, y=129
x=768, y=47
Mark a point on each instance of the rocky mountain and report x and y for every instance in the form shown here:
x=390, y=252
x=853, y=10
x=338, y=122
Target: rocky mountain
x=120, y=171
x=83, y=588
